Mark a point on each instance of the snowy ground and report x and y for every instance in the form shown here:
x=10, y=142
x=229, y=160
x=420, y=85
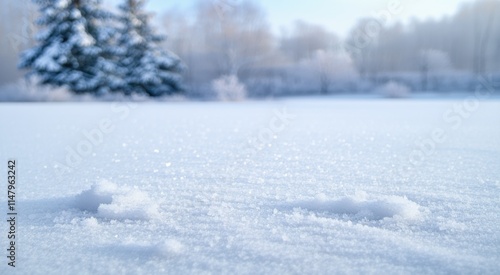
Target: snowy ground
x=293, y=186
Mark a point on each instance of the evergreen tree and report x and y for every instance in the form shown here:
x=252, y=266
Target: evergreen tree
x=147, y=68
x=74, y=48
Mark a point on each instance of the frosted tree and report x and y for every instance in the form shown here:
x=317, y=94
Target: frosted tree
x=235, y=34
x=328, y=67
x=145, y=66
x=433, y=63
x=229, y=88
x=73, y=47
x=305, y=40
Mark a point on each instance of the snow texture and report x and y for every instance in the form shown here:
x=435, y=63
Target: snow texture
x=113, y=202
x=232, y=188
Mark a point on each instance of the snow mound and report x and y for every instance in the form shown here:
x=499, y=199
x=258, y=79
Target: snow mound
x=117, y=202
x=101, y=193
x=133, y=205
x=361, y=206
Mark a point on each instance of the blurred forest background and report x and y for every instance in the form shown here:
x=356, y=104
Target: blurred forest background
x=231, y=52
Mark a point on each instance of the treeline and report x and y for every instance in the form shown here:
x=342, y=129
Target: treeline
x=467, y=41
x=234, y=38
x=229, y=52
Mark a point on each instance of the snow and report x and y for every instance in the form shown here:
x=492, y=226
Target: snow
x=310, y=185
x=361, y=207
x=61, y=4
x=82, y=37
x=91, y=200
x=133, y=205
x=170, y=246
x=47, y=60
x=113, y=202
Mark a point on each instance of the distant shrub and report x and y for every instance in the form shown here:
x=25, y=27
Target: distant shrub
x=394, y=90
x=229, y=88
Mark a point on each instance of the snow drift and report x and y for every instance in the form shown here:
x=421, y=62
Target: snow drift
x=111, y=201
x=361, y=206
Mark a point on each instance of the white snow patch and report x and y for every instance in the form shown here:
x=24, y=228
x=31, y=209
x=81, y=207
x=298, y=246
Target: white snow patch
x=361, y=206
x=134, y=205
x=114, y=202
x=61, y=4
x=83, y=37
x=90, y=222
x=169, y=247
x=48, y=59
x=101, y=193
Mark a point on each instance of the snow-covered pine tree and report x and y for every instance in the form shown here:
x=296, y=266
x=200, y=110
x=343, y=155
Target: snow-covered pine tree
x=73, y=48
x=148, y=68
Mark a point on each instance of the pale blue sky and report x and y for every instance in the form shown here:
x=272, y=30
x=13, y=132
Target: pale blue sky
x=337, y=15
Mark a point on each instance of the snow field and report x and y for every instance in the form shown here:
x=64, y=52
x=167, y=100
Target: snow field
x=190, y=188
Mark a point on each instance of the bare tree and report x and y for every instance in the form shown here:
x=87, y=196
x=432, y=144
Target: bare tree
x=433, y=62
x=329, y=67
x=235, y=38
x=306, y=39
x=485, y=37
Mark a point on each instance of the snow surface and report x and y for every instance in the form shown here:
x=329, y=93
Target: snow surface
x=293, y=186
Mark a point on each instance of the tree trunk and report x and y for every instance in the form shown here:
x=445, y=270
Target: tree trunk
x=484, y=43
